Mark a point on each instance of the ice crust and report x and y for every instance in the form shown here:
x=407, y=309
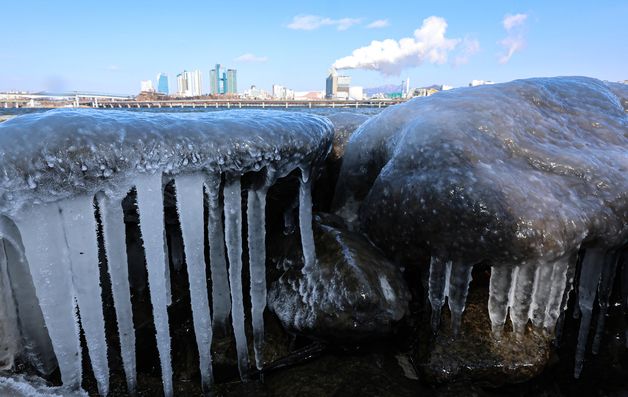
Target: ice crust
x=59, y=169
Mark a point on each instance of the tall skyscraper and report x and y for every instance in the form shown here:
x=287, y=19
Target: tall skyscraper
x=189, y=83
x=232, y=82
x=162, y=83
x=195, y=83
x=331, y=84
x=215, y=80
x=223, y=82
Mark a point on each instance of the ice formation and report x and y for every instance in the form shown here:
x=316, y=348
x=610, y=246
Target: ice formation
x=522, y=176
x=64, y=175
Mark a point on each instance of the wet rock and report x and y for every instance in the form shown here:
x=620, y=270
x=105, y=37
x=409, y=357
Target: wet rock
x=505, y=173
x=353, y=291
x=475, y=355
x=345, y=123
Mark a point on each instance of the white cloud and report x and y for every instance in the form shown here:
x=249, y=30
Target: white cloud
x=511, y=21
x=515, y=39
x=113, y=68
x=248, y=57
x=390, y=57
x=380, y=23
x=312, y=22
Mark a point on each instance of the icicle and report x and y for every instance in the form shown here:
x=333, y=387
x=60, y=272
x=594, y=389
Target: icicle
x=44, y=243
x=81, y=238
x=603, y=295
x=523, y=286
x=36, y=342
x=541, y=293
x=256, y=222
x=190, y=206
x=459, y=281
x=559, y=284
x=592, y=264
x=305, y=220
x=151, y=211
x=439, y=277
x=114, y=235
x=9, y=333
x=570, y=276
x=233, y=235
x=220, y=279
x=499, y=294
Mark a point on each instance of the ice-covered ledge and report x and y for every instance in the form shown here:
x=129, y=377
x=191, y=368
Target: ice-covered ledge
x=59, y=169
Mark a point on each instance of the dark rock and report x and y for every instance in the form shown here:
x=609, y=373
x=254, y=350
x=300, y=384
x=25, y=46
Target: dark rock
x=352, y=292
x=505, y=173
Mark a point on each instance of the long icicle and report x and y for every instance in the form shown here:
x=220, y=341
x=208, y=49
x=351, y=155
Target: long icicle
x=189, y=206
x=438, y=278
x=36, y=341
x=46, y=253
x=114, y=234
x=499, y=293
x=521, y=297
x=559, y=283
x=221, y=301
x=305, y=220
x=541, y=293
x=80, y=229
x=256, y=221
x=459, y=281
x=150, y=202
x=233, y=236
x=590, y=272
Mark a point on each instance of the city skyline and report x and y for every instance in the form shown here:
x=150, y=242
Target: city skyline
x=66, y=47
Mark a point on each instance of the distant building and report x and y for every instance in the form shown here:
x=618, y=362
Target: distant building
x=162, y=83
x=337, y=86
x=356, y=93
x=223, y=82
x=189, y=83
x=405, y=92
x=281, y=92
x=231, y=81
x=146, y=86
x=475, y=83
x=446, y=87
x=256, y=93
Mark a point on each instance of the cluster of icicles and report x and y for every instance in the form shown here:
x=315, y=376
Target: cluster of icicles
x=538, y=292
x=57, y=243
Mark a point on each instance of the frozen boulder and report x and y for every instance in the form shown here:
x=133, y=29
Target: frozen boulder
x=353, y=291
x=521, y=175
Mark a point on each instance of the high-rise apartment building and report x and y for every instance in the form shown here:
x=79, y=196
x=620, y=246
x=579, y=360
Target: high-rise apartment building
x=162, y=83
x=223, y=82
x=215, y=80
x=146, y=86
x=231, y=82
x=189, y=83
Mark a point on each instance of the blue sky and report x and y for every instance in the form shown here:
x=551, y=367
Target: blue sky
x=110, y=46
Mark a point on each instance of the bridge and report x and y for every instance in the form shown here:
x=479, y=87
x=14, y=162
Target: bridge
x=119, y=102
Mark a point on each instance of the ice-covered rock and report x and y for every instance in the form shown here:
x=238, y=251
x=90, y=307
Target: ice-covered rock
x=64, y=176
x=353, y=291
x=519, y=175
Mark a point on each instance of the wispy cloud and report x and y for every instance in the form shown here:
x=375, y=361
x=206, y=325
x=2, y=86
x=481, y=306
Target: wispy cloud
x=377, y=24
x=248, y=57
x=113, y=68
x=428, y=44
x=313, y=22
x=515, y=38
x=469, y=47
